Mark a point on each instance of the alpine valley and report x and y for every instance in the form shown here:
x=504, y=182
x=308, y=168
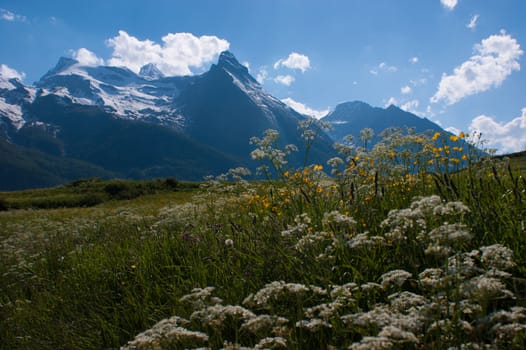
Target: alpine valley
x=83, y=121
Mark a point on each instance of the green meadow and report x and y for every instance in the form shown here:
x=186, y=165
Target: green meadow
x=417, y=243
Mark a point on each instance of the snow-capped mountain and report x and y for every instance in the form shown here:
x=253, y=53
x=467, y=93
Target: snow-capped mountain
x=140, y=125
x=147, y=96
x=14, y=98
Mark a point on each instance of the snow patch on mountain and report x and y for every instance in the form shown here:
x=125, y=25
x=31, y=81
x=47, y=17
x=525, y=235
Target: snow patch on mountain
x=12, y=112
x=115, y=89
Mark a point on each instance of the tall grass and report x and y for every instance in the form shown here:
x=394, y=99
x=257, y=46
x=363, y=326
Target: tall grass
x=417, y=243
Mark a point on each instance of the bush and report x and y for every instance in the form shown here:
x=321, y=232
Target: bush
x=3, y=205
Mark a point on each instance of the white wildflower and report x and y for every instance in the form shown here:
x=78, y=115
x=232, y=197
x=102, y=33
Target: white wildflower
x=337, y=218
x=201, y=297
x=271, y=343
x=344, y=291
x=450, y=234
x=432, y=278
x=370, y=287
x=277, y=290
x=325, y=310
x=216, y=315
x=394, y=278
x=229, y=242
x=312, y=239
x=363, y=241
x=438, y=251
x=516, y=314
x=263, y=323
x=258, y=154
x=405, y=300
x=505, y=333
x=451, y=208
x=166, y=334
x=372, y=343
x=497, y=256
x=464, y=264
x=397, y=335
x=234, y=346
x=486, y=287
x=313, y=325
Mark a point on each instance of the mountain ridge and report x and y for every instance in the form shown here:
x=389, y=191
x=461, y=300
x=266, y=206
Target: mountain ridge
x=149, y=125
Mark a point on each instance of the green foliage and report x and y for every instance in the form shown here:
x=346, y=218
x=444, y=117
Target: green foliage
x=391, y=250
x=91, y=192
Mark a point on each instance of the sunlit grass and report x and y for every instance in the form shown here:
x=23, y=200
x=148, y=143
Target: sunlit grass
x=397, y=246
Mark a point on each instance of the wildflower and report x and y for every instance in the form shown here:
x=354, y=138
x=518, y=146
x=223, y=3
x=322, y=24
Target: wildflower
x=313, y=325
x=486, y=287
x=271, y=343
x=326, y=310
x=335, y=162
x=369, y=343
x=431, y=278
x=229, y=242
x=464, y=264
x=397, y=335
x=497, y=256
x=363, y=241
x=453, y=138
x=216, y=315
x=394, y=278
x=439, y=251
x=233, y=346
x=317, y=167
x=201, y=297
x=450, y=234
x=344, y=291
x=167, y=334
x=262, y=324
x=436, y=136
x=258, y=154
x=403, y=301
x=278, y=290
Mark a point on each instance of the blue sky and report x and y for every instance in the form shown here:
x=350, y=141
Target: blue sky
x=460, y=63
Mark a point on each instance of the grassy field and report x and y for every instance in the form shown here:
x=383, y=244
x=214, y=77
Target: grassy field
x=385, y=249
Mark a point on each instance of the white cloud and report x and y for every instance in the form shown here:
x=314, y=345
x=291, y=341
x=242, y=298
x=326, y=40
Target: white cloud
x=473, y=22
x=262, y=75
x=496, y=58
x=284, y=79
x=449, y=4
x=406, y=90
x=87, y=58
x=294, y=61
x=417, y=82
x=11, y=17
x=506, y=137
x=413, y=60
x=304, y=109
x=391, y=101
x=383, y=67
x=9, y=73
x=175, y=56
x=453, y=130
x=411, y=106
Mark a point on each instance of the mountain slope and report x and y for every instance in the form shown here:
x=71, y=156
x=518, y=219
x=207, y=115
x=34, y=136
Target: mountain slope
x=23, y=168
x=236, y=109
x=350, y=118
